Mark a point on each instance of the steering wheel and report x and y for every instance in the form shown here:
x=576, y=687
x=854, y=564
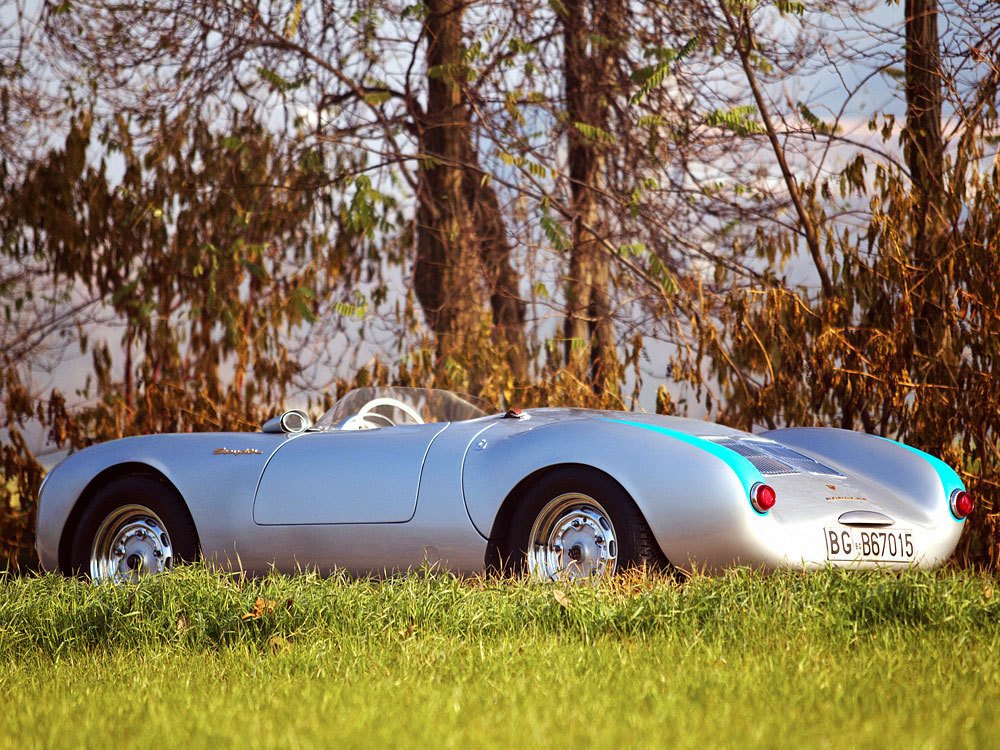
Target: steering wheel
x=362, y=420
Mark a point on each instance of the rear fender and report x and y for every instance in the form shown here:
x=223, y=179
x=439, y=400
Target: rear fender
x=691, y=499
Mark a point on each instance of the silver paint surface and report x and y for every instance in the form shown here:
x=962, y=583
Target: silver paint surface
x=393, y=498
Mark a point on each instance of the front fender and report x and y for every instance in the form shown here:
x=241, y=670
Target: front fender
x=215, y=486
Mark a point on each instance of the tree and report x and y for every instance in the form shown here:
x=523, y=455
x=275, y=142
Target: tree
x=348, y=66
x=592, y=37
x=904, y=343
x=462, y=247
x=208, y=260
x=924, y=153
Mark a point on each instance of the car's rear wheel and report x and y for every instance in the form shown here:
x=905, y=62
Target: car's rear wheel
x=579, y=523
x=133, y=526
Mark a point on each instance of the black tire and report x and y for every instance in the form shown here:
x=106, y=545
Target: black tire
x=150, y=505
x=636, y=546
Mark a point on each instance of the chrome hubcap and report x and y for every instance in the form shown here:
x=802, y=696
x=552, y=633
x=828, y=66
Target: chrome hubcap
x=132, y=541
x=572, y=538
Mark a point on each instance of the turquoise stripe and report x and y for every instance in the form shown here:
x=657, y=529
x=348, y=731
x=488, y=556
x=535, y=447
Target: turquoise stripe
x=746, y=472
x=950, y=481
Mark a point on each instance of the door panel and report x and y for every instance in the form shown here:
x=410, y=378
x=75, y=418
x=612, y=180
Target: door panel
x=355, y=476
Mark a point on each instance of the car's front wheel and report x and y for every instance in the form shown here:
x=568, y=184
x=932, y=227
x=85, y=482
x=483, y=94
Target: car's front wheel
x=133, y=526
x=579, y=523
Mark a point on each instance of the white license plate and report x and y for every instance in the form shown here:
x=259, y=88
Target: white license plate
x=876, y=545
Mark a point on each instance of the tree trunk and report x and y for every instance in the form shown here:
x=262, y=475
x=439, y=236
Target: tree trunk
x=924, y=141
x=590, y=28
x=501, y=277
x=463, y=254
x=447, y=274
x=924, y=152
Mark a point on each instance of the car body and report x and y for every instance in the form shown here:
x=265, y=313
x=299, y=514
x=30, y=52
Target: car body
x=557, y=490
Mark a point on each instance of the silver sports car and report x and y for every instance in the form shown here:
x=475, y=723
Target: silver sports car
x=391, y=478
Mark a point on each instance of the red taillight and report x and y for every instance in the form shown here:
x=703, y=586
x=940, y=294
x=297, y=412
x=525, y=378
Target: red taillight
x=762, y=497
x=961, y=503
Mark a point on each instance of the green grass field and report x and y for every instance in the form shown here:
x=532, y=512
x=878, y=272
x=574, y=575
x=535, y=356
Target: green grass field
x=197, y=659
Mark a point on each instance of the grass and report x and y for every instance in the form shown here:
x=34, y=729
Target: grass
x=194, y=659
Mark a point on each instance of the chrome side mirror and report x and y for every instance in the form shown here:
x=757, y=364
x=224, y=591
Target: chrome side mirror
x=291, y=422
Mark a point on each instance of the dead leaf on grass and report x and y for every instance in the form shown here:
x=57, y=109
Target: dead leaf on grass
x=261, y=607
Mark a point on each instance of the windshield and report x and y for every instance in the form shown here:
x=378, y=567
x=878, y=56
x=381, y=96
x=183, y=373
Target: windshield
x=384, y=406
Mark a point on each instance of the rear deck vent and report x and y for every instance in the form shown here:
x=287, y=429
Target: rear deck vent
x=772, y=458
x=794, y=458
x=766, y=464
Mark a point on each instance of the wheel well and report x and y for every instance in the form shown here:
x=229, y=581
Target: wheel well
x=495, y=551
x=105, y=477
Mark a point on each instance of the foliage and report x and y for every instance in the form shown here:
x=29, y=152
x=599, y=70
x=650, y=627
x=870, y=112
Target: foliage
x=867, y=357
x=900, y=338
x=208, y=260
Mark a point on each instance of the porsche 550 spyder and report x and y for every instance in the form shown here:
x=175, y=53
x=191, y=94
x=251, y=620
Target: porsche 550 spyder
x=392, y=478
